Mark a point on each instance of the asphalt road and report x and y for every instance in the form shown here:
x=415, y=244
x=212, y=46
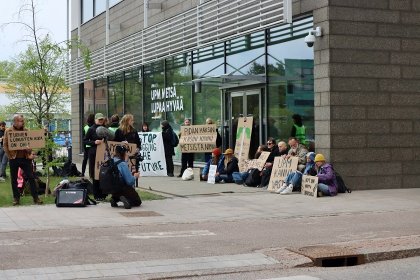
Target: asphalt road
x=49, y=248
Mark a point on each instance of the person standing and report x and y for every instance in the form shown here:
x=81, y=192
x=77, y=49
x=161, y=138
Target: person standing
x=3, y=156
x=92, y=139
x=208, y=156
x=167, y=135
x=298, y=129
x=89, y=122
x=127, y=132
x=19, y=158
x=145, y=127
x=187, y=159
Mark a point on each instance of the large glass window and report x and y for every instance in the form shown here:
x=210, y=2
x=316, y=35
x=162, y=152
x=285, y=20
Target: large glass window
x=116, y=94
x=133, y=96
x=291, y=80
x=101, y=96
x=87, y=10
x=154, y=105
x=88, y=99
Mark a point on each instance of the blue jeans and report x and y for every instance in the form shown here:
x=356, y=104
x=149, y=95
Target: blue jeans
x=224, y=177
x=324, y=189
x=3, y=162
x=294, y=178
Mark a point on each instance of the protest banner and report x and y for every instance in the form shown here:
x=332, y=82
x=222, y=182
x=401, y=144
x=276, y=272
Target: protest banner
x=243, y=141
x=257, y=163
x=153, y=152
x=309, y=185
x=282, y=166
x=102, y=155
x=22, y=140
x=211, y=179
x=198, y=138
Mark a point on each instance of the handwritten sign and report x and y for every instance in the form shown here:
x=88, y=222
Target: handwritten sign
x=309, y=185
x=198, y=138
x=102, y=155
x=243, y=141
x=22, y=140
x=153, y=152
x=281, y=168
x=257, y=163
x=211, y=179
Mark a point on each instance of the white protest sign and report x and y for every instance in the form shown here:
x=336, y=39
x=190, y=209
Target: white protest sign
x=153, y=152
x=282, y=166
x=211, y=179
x=309, y=185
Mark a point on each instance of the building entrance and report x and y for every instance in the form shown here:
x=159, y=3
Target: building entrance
x=244, y=103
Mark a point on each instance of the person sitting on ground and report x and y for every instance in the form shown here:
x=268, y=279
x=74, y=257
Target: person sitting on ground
x=293, y=181
x=240, y=177
x=128, y=195
x=283, y=148
x=266, y=172
x=229, y=164
x=215, y=160
x=297, y=150
x=327, y=182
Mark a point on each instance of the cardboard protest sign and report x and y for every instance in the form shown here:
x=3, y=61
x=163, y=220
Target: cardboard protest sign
x=257, y=163
x=211, y=179
x=309, y=185
x=22, y=140
x=281, y=168
x=198, y=138
x=102, y=156
x=243, y=141
x=153, y=152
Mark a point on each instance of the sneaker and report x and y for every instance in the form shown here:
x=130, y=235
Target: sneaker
x=113, y=202
x=289, y=189
x=222, y=182
x=125, y=201
x=2, y=179
x=282, y=188
x=170, y=175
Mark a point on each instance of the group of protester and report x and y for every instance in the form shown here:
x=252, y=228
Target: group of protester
x=309, y=163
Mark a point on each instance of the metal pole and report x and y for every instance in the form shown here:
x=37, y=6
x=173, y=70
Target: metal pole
x=145, y=9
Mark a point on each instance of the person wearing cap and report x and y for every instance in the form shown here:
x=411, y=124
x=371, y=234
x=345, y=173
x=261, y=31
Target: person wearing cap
x=228, y=164
x=215, y=160
x=293, y=181
x=128, y=195
x=327, y=182
x=92, y=139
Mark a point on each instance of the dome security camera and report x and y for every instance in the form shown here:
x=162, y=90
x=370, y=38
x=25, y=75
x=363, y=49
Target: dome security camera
x=311, y=37
x=310, y=40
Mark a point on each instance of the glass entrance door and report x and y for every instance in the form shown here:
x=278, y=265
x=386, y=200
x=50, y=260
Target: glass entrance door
x=245, y=103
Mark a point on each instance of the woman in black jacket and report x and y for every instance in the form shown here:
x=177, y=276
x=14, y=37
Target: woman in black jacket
x=230, y=164
x=167, y=136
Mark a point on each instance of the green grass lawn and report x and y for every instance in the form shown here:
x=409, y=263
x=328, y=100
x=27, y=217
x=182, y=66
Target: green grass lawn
x=6, y=194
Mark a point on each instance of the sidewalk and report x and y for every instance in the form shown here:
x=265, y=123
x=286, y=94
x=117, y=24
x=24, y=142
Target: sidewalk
x=191, y=201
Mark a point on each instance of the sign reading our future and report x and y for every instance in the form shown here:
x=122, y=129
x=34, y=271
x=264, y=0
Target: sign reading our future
x=198, y=138
x=166, y=100
x=153, y=153
x=30, y=139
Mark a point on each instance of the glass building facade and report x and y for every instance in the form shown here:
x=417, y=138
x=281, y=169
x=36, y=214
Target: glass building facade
x=267, y=75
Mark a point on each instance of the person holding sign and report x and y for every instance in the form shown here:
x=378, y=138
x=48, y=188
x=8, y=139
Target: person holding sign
x=93, y=140
x=215, y=160
x=268, y=167
x=294, y=179
x=229, y=164
x=327, y=183
x=19, y=159
x=187, y=159
x=297, y=150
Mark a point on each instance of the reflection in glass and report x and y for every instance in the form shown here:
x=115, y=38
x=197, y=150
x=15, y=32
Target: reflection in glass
x=153, y=84
x=115, y=94
x=133, y=95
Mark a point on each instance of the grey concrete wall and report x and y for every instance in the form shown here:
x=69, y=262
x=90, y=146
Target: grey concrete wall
x=368, y=91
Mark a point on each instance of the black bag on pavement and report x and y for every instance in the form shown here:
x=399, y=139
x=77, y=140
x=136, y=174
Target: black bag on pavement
x=73, y=198
x=110, y=179
x=254, y=178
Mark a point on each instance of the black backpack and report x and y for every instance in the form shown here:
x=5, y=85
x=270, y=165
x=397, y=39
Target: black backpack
x=110, y=179
x=174, y=139
x=254, y=178
x=341, y=186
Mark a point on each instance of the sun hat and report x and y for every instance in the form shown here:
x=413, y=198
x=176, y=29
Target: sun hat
x=319, y=157
x=228, y=152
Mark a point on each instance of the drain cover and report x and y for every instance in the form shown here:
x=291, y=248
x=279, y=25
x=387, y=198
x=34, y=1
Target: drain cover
x=331, y=256
x=140, y=214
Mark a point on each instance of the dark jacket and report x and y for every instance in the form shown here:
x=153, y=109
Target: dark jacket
x=274, y=152
x=167, y=132
x=326, y=176
x=232, y=166
x=131, y=137
x=91, y=137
